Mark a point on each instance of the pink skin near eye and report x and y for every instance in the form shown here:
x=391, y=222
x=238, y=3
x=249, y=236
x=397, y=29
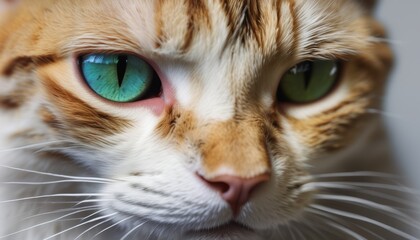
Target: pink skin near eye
x=156, y=105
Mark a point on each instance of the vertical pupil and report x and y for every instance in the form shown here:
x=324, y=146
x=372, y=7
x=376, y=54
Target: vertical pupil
x=121, y=68
x=307, y=70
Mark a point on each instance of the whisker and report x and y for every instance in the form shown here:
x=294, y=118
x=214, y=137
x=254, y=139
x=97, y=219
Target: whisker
x=315, y=230
x=152, y=232
x=299, y=232
x=329, y=185
x=93, y=214
x=368, y=185
x=57, y=175
x=366, y=203
x=31, y=146
x=69, y=220
x=326, y=217
x=356, y=174
x=132, y=230
x=93, y=227
x=110, y=227
x=335, y=219
x=364, y=219
x=290, y=231
x=370, y=232
x=385, y=114
x=56, y=149
x=91, y=201
x=54, y=195
x=345, y=230
x=44, y=223
x=62, y=202
x=60, y=211
x=51, y=182
x=80, y=225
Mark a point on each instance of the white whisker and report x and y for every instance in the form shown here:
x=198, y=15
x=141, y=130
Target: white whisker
x=346, y=230
x=290, y=231
x=93, y=227
x=382, y=186
x=366, y=203
x=54, y=195
x=58, y=175
x=93, y=214
x=69, y=220
x=44, y=223
x=62, y=202
x=110, y=227
x=364, y=219
x=331, y=217
x=370, y=232
x=61, y=211
x=326, y=217
x=312, y=227
x=299, y=232
x=385, y=114
x=132, y=230
x=91, y=201
x=54, y=149
x=356, y=189
x=356, y=174
x=152, y=232
x=31, y=146
x=80, y=225
x=51, y=182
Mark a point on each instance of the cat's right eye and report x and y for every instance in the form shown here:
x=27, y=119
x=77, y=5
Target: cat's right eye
x=120, y=78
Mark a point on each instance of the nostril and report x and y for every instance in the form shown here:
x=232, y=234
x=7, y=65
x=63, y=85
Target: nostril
x=220, y=186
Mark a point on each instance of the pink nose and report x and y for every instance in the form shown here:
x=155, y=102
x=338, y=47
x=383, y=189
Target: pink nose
x=235, y=190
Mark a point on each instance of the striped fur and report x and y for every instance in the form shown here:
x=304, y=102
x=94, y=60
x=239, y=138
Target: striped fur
x=221, y=62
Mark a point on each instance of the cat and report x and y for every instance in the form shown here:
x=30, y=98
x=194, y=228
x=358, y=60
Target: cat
x=196, y=119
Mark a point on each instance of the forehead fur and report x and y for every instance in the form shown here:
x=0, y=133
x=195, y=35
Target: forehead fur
x=192, y=29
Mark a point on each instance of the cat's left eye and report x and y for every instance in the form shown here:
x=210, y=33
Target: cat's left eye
x=120, y=78
x=308, y=81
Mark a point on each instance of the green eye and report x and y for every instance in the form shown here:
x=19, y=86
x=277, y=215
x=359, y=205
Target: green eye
x=308, y=81
x=120, y=77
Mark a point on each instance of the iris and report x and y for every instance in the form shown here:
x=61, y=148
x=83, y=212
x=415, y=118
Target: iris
x=308, y=81
x=119, y=77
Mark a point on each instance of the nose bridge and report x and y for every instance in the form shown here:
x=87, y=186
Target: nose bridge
x=236, y=148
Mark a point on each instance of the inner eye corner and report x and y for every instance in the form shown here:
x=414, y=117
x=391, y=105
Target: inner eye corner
x=119, y=77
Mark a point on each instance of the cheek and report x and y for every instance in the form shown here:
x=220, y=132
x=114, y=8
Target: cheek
x=339, y=119
x=332, y=130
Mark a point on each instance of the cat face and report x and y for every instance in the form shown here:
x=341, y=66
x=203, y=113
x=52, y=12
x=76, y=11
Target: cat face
x=217, y=141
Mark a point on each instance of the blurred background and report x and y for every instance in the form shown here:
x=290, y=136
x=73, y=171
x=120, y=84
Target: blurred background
x=402, y=104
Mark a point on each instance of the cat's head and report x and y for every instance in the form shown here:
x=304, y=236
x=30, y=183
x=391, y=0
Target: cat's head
x=203, y=113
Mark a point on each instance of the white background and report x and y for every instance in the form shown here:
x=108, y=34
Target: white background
x=402, y=17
